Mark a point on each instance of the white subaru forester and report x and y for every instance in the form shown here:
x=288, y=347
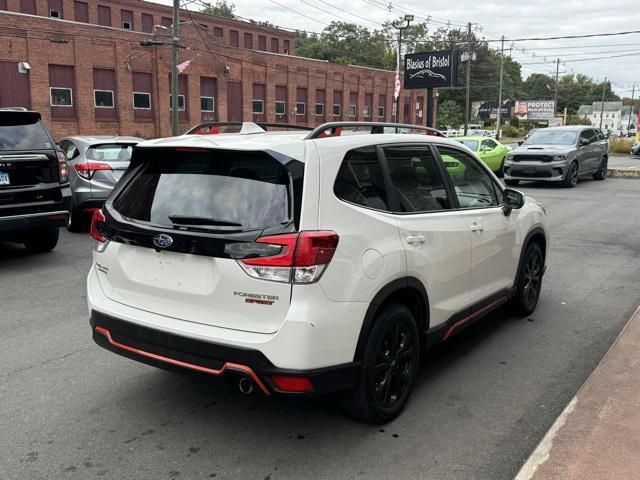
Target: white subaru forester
x=308, y=262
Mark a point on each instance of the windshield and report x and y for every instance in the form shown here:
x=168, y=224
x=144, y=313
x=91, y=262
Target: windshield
x=120, y=152
x=472, y=144
x=218, y=189
x=552, y=137
x=20, y=135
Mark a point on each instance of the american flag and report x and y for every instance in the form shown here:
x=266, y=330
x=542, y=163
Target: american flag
x=183, y=66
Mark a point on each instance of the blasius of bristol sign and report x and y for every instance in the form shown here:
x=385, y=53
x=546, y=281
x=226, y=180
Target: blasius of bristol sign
x=431, y=69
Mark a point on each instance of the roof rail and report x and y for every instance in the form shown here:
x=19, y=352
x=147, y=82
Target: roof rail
x=334, y=129
x=212, y=128
x=14, y=109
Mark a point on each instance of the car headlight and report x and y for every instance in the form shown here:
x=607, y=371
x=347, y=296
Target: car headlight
x=509, y=156
x=559, y=157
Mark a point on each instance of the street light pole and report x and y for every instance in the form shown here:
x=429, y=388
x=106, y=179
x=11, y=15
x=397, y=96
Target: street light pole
x=408, y=19
x=499, y=117
x=466, y=101
x=604, y=89
x=174, y=68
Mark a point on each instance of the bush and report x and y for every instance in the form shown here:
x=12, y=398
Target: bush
x=620, y=145
x=512, y=131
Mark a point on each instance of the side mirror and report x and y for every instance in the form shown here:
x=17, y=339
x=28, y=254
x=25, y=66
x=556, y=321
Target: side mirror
x=513, y=199
x=520, y=142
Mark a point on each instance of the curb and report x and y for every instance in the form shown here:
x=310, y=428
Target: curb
x=623, y=172
x=543, y=450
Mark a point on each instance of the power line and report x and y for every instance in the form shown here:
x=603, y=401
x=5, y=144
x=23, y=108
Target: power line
x=301, y=14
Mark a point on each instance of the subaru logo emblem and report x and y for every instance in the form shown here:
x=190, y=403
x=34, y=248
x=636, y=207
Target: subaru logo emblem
x=162, y=240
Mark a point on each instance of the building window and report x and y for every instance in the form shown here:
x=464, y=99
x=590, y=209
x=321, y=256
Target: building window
x=319, y=109
x=127, y=26
x=337, y=110
x=81, y=11
x=54, y=13
x=280, y=108
x=147, y=23
x=234, y=38
x=258, y=107
x=104, y=15
x=142, y=100
x=262, y=43
x=352, y=110
x=103, y=98
x=286, y=47
x=366, y=111
x=127, y=19
x=301, y=108
x=166, y=22
x=207, y=104
x=218, y=32
x=61, y=97
x=180, y=103
x=275, y=45
x=248, y=40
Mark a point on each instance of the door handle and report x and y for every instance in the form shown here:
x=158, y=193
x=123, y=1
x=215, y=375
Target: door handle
x=412, y=239
x=476, y=228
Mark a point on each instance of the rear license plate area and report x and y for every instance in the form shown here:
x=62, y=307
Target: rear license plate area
x=4, y=178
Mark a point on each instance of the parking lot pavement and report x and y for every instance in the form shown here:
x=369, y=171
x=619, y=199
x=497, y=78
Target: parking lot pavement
x=482, y=402
x=624, y=161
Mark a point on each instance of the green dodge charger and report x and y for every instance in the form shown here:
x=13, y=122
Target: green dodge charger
x=490, y=151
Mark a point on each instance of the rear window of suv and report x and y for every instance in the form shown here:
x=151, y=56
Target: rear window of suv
x=210, y=189
x=19, y=132
x=119, y=152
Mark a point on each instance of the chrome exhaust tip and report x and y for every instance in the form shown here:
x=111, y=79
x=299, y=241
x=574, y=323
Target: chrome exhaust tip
x=245, y=386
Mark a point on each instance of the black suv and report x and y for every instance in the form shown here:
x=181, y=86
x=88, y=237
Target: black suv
x=34, y=181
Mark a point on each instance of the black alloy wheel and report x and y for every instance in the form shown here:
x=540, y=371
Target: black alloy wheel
x=571, y=179
x=529, y=281
x=601, y=174
x=389, y=367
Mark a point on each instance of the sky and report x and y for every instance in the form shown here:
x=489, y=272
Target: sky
x=616, y=57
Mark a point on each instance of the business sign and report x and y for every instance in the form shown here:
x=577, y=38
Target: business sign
x=487, y=110
x=431, y=69
x=534, y=110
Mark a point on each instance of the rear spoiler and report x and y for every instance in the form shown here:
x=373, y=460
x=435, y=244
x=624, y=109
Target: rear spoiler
x=246, y=128
x=15, y=116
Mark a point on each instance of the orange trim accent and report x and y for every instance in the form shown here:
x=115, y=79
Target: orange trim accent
x=227, y=366
x=459, y=323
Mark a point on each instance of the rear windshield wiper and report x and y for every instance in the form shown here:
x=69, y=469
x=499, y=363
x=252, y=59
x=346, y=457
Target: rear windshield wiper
x=190, y=220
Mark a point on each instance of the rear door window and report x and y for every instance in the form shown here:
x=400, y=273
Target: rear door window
x=216, y=189
x=360, y=179
x=417, y=182
x=20, y=132
x=110, y=152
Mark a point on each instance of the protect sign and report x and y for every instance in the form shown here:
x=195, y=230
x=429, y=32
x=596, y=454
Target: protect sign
x=431, y=69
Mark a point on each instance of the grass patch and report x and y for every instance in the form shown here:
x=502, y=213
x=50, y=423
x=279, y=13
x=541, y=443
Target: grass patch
x=620, y=145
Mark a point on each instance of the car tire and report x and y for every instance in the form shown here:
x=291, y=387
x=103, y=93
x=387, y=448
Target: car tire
x=76, y=222
x=512, y=183
x=42, y=241
x=601, y=174
x=386, y=378
x=529, y=281
x=571, y=178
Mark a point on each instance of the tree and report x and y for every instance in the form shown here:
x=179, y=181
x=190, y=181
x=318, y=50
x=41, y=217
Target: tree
x=221, y=8
x=449, y=114
x=577, y=120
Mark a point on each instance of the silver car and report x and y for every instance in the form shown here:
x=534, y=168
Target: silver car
x=95, y=166
x=559, y=154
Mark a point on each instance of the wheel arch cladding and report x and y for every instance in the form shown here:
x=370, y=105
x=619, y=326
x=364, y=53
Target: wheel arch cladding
x=408, y=291
x=534, y=236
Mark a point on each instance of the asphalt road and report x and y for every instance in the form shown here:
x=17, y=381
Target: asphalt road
x=482, y=402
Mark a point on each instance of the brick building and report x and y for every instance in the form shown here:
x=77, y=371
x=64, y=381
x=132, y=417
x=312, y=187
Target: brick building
x=80, y=64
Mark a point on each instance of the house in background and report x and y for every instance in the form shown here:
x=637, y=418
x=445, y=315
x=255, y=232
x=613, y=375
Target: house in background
x=615, y=116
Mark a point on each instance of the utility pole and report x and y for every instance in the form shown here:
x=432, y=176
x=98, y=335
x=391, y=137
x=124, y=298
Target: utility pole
x=633, y=92
x=466, y=101
x=408, y=19
x=175, y=43
x=604, y=89
x=499, y=117
x=555, y=89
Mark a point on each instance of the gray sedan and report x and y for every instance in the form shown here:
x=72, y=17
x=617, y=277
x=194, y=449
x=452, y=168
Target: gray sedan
x=95, y=166
x=559, y=154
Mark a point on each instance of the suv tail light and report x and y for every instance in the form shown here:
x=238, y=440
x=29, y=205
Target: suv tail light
x=302, y=257
x=63, y=167
x=99, y=240
x=88, y=169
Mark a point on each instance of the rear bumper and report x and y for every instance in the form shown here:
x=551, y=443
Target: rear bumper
x=161, y=349
x=34, y=221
